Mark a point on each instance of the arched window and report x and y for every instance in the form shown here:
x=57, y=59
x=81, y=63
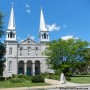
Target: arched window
x=10, y=51
x=36, y=50
x=44, y=35
x=21, y=48
x=11, y=34
x=10, y=65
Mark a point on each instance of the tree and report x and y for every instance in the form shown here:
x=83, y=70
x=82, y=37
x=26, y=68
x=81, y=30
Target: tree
x=1, y=25
x=2, y=46
x=87, y=57
x=2, y=59
x=66, y=56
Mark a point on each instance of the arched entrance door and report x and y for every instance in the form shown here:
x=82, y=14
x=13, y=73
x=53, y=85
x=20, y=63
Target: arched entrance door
x=37, y=67
x=29, y=67
x=21, y=67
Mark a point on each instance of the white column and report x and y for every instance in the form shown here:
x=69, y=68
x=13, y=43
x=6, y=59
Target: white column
x=33, y=69
x=25, y=68
x=40, y=68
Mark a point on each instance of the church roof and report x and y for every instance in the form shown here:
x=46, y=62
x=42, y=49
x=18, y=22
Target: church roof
x=42, y=22
x=11, y=24
x=28, y=41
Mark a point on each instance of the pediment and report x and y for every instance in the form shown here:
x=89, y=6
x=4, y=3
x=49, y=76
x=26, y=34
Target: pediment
x=28, y=41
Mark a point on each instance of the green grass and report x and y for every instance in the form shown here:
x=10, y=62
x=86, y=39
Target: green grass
x=27, y=83
x=8, y=84
x=81, y=79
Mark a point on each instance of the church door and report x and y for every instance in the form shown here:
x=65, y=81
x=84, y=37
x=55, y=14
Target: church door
x=29, y=71
x=36, y=71
x=20, y=70
x=37, y=67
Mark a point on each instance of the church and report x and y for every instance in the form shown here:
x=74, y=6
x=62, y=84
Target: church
x=25, y=57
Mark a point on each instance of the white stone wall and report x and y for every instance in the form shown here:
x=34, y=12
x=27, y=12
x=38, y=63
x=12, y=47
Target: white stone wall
x=14, y=66
x=34, y=56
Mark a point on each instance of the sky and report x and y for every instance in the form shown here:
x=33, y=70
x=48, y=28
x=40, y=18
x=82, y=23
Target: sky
x=63, y=18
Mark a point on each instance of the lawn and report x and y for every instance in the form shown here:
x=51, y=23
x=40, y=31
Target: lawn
x=8, y=84
x=27, y=82
x=22, y=81
x=81, y=79
x=76, y=79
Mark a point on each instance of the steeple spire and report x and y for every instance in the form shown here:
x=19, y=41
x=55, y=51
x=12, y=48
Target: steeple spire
x=42, y=22
x=11, y=24
x=11, y=32
x=43, y=33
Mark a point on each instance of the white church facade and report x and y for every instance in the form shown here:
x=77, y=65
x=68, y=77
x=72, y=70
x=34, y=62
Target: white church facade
x=27, y=56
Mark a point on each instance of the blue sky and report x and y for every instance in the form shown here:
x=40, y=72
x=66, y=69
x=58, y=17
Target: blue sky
x=64, y=18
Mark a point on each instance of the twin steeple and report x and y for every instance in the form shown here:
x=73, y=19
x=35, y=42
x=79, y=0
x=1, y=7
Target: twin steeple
x=42, y=22
x=11, y=32
x=43, y=33
x=11, y=24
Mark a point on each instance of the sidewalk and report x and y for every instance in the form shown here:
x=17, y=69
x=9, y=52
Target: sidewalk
x=55, y=84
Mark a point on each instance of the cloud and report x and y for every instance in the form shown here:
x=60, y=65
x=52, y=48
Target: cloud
x=53, y=27
x=67, y=37
x=27, y=5
x=28, y=11
x=32, y=37
x=28, y=8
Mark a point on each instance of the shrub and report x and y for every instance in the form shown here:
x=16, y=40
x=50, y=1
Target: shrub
x=56, y=77
x=27, y=77
x=50, y=76
x=44, y=74
x=37, y=79
x=69, y=74
x=8, y=78
x=2, y=78
x=17, y=80
x=20, y=76
x=68, y=78
x=13, y=75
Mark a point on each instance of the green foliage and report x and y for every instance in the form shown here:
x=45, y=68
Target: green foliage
x=45, y=75
x=68, y=78
x=8, y=84
x=27, y=77
x=2, y=78
x=1, y=25
x=37, y=79
x=2, y=59
x=2, y=46
x=53, y=76
x=24, y=76
x=17, y=80
x=67, y=55
x=20, y=75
